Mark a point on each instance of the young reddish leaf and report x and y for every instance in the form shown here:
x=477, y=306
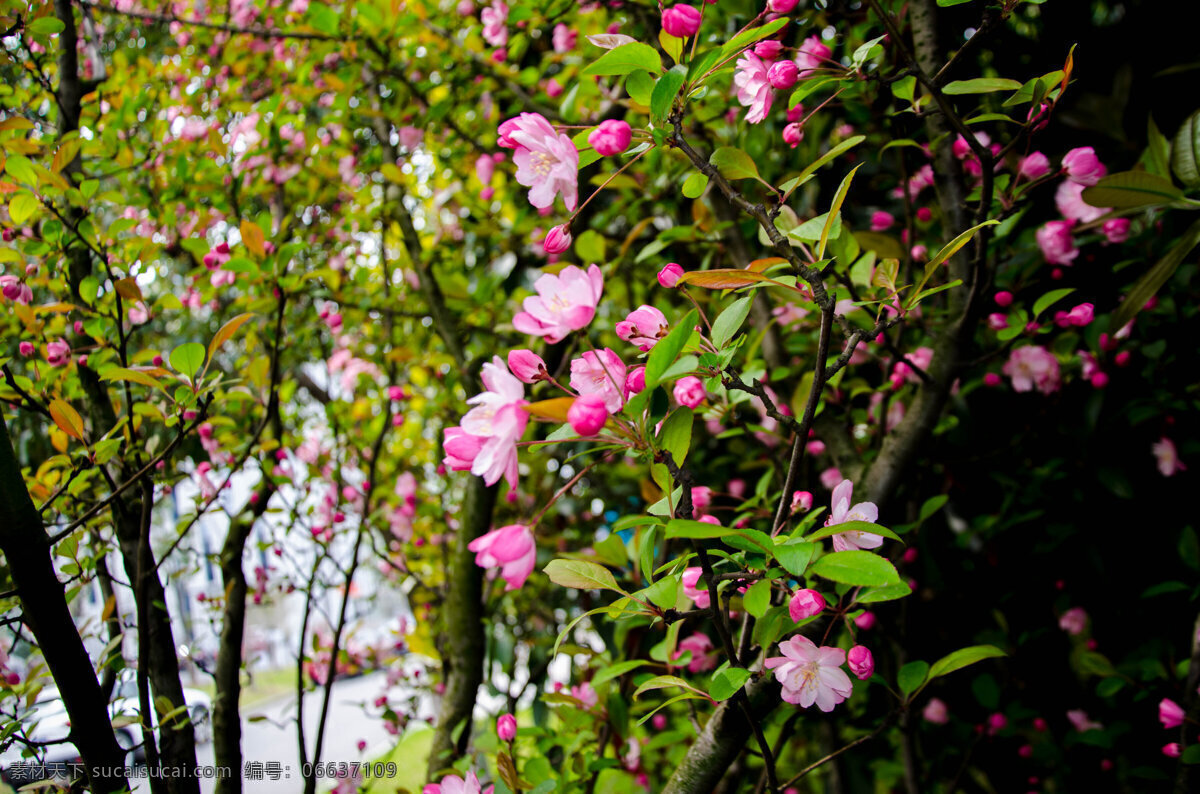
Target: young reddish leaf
x=722, y=278
x=67, y=418
x=226, y=332
x=252, y=236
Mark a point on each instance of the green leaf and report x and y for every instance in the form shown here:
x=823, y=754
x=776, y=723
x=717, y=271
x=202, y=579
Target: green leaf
x=1154, y=278
x=865, y=52
x=640, y=87
x=980, y=85
x=46, y=26
x=625, y=59
x=727, y=681
x=830, y=155
x=912, y=676
x=948, y=3
x=663, y=593
x=323, y=18
x=676, y=699
x=795, y=556
x=1158, y=150
x=665, y=682
x=676, y=434
x=730, y=321
x=962, y=658
x=834, y=211
x=664, y=353
x=757, y=599
x=889, y=592
x=687, y=528
x=734, y=163
x=188, y=358
x=20, y=168
x=856, y=567
x=694, y=185
x=806, y=88
x=665, y=91
x=1191, y=755
x=853, y=526
x=617, y=670
x=1049, y=299
x=581, y=575
x=932, y=505
x=1131, y=189
x=1185, y=154
x=948, y=250
x=22, y=207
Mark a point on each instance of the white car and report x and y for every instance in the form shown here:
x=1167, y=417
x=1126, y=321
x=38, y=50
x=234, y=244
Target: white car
x=125, y=708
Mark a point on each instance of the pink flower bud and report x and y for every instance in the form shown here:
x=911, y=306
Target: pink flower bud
x=506, y=727
x=805, y=604
x=1034, y=166
x=669, y=275
x=557, y=240
x=689, y=391
x=395, y=393
x=865, y=621
x=781, y=6
x=659, y=721
x=861, y=662
x=997, y=722
x=1039, y=724
x=587, y=414
x=635, y=381
x=1082, y=166
x=783, y=74
x=1025, y=750
x=527, y=366
x=1116, y=230
x=681, y=21
x=1004, y=299
x=1172, y=750
x=924, y=215
x=935, y=711
x=612, y=136
x=26, y=349
x=997, y=320
x=1122, y=358
x=802, y=501
x=1170, y=713
x=78, y=326
x=881, y=221
x=768, y=50
x=919, y=253
x=793, y=133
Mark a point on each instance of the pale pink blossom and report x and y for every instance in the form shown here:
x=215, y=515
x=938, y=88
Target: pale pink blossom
x=699, y=596
x=1081, y=722
x=565, y=302
x=811, y=674
x=703, y=659
x=453, y=784
x=842, y=512
x=1073, y=621
x=830, y=478
x=753, y=86
x=499, y=419
x=585, y=694
x=1083, y=166
x=547, y=163
x=512, y=549
x=1167, y=457
x=643, y=327
x=1170, y=713
x=1069, y=200
x=935, y=711
x=1033, y=367
x=564, y=38
x=495, y=23
x=1056, y=242
x=813, y=53
x=601, y=373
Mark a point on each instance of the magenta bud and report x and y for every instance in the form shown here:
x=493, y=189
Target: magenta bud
x=506, y=727
x=781, y=6
x=861, y=662
x=806, y=604
x=768, y=50
x=689, y=391
x=669, y=276
x=635, y=381
x=527, y=366
x=587, y=414
x=557, y=240
x=1004, y=299
x=611, y=137
x=681, y=21
x=783, y=74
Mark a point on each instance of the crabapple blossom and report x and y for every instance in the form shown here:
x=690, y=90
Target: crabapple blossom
x=547, y=163
x=495, y=23
x=1069, y=200
x=841, y=512
x=805, y=604
x=564, y=38
x=498, y=419
x=781, y=6
x=802, y=501
x=1056, y=242
x=1172, y=750
x=1073, y=621
x=601, y=373
x=783, y=75
x=1033, y=166
x=643, y=327
x=681, y=21
x=935, y=711
x=669, y=276
x=793, y=134
x=506, y=727
x=512, y=549
x=861, y=662
x=703, y=658
x=587, y=414
x=527, y=366
x=453, y=784
x=58, y=353
x=810, y=674
x=768, y=50
x=865, y=621
x=1167, y=457
x=1116, y=230
x=689, y=391
x=753, y=86
x=812, y=53
x=1170, y=713
x=1080, y=720
x=882, y=221
x=565, y=302
x=585, y=694
x=635, y=381
x=700, y=597
x=25, y=349
x=1033, y=367
x=1082, y=166
x=611, y=137
x=557, y=239
x=16, y=290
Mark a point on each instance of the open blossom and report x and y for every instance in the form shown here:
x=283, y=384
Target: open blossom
x=935, y=711
x=1083, y=166
x=585, y=694
x=564, y=38
x=699, y=596
x=453, y=784
x=1033, y=367
x=811, y=674
x=1073, y=621
x=1167, y=457
x=495, y=23
x=753, y=86
x=565, y=302
x=841, y=513
x=58, y=353
x=1170, y=713
x=812, y=55
x=495, y=425
x=512, y=549
x=547, y=163
x=1081, y=722
x=1056, y=242
x=703, y=658
x=644, y=326
x=15, y=290
x=601, y=373
x=1069, y=200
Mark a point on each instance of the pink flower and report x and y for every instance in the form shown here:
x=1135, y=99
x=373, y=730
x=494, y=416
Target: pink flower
x=689, y=391
x=770, y=49
x=1033, y=367
x=587, y=414
x=669, y=275
x=564, y=38
x=1079, y=719
x=495, y=23
x=1167, y=457
x=453, y=784
x=1083, y=166
x=811, y=674
x=557, y=239
x=1081, y=315
x=585, y=694
x=1034, y=166
x=681, y=21
x=58, y=353
x=781, y=6
x=1172, y=750
x=565, y=302
x=753, y=86
x=25, y=349
x=882, y=221
x=547, y=162
x=497, y=422
x=635, y=381
x=1058, y=247
x=643, y=327
x=783, y=75
x=1073, y=621
x=805, y=604
x=601, y=373
x=1170, y=713
x=1004, y=298
x=611, y=137
x=802, y=501
x=861, y=662
x=512, y=549
x=842, y=512
x=793, y=134
x=935, y=711
x=1069, y=200
x=703, y=658
x=812, y=54
x=527, y=366
x=16, y=290
x=700, y=597
x=506, y=727
x=830, y=478
x=1116, y=230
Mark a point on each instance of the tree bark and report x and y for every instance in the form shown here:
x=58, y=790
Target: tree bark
x=26, y=548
